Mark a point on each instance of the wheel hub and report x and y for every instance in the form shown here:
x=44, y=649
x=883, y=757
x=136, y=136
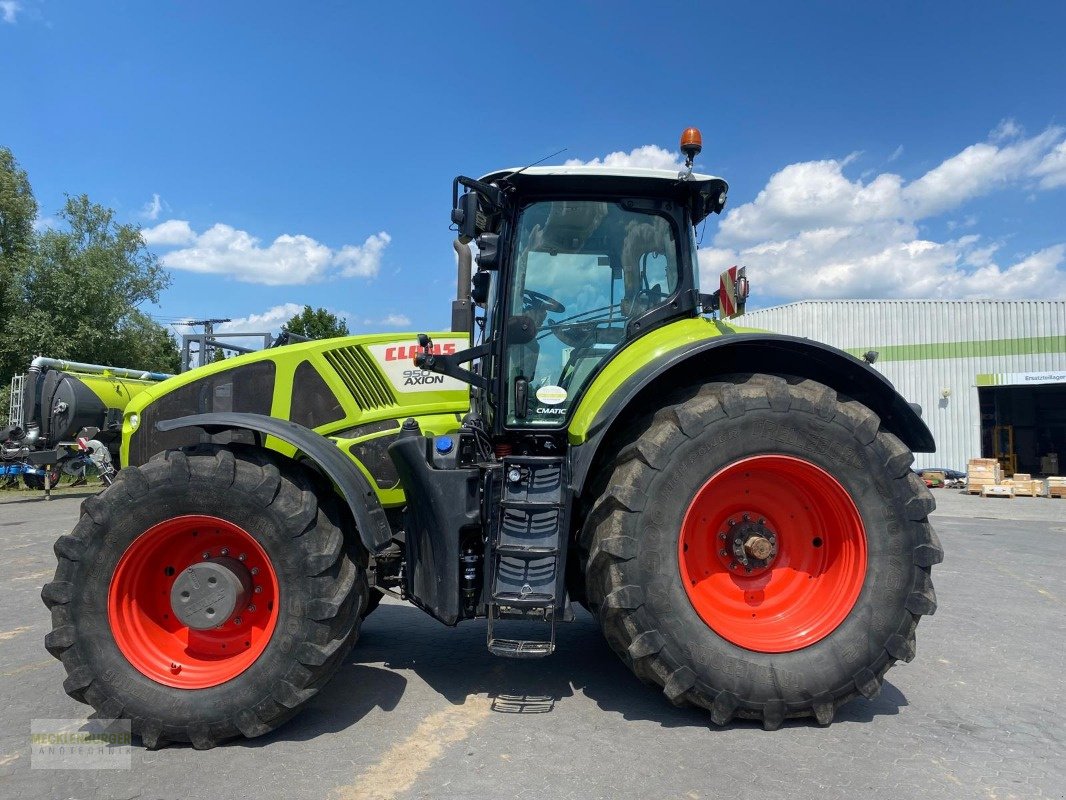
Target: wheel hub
x=748, y=544
x=205, y=595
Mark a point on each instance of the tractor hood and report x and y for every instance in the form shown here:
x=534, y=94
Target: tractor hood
x=338, y=387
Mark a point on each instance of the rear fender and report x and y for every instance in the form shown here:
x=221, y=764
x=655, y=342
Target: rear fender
x=352, y=485
x=773, y=354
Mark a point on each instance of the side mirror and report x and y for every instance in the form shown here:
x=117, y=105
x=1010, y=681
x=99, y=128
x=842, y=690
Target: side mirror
x=464, y=215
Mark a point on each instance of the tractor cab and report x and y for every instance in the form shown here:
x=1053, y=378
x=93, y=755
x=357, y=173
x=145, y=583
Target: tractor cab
x=573, y=264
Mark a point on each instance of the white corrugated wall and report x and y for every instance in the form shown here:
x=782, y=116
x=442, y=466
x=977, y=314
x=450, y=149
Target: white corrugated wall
x=922, y=376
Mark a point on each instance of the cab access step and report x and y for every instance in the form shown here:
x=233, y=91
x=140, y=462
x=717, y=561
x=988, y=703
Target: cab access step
x=527, y=553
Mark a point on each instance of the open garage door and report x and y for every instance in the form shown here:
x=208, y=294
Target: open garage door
x=1023, y=421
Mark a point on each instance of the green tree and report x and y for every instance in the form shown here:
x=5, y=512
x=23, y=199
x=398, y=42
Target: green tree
x=316, y=324
x=81, y=290
x=220, y=355
x=18, y=210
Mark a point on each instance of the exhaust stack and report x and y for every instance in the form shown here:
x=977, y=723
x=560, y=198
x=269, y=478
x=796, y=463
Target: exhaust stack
x=462, y=320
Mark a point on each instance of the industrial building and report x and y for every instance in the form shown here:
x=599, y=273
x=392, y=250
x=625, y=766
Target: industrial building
x=990, y=375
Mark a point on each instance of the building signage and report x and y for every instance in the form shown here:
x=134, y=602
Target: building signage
x=1021, y=378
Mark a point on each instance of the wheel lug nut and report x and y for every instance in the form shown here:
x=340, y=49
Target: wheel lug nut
x=237, y=621
x=207, y=555
x=251, y=608
x=746, y=518
x=225, y=551
x=255, y=570
x=258, y=589
x=762, y=520
x=721, y=536
x=724, y=553
x=241, y=557
x=732, y=523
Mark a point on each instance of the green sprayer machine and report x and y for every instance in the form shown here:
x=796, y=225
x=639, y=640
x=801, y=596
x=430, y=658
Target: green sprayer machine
x=65, y=415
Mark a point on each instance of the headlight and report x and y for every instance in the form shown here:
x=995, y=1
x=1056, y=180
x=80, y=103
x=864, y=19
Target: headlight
x=134, y=421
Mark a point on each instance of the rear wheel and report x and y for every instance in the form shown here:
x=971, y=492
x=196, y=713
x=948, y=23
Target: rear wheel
x=205, y=595
x=762, y=549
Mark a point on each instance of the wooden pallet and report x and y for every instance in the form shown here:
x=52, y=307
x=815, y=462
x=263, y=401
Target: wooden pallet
x=998, y=491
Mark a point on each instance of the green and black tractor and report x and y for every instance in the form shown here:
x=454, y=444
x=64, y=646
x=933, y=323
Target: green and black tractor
x=736, y=508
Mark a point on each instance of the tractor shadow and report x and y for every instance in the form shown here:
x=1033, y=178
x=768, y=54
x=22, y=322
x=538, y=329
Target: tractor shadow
x=354, y=692
x=456, y=664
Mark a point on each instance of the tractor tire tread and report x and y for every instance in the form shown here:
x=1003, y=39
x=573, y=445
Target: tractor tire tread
x=333, y=567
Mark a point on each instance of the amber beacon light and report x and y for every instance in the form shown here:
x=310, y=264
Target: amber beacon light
x=691, y=144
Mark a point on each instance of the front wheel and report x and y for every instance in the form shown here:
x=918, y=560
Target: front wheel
x=762, y=549
x=205, y=595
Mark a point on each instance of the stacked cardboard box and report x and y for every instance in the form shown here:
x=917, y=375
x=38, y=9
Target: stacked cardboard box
x=982, y=472
x=1056, y=486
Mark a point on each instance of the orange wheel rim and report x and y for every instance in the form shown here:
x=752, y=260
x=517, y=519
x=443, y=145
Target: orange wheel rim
x=772, y=553
x=146, y=628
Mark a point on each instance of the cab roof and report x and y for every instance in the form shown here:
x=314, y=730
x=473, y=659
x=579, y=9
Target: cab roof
x=702, y=193
x=595, y=171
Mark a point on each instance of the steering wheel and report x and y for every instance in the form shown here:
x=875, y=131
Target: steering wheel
x=538, y=300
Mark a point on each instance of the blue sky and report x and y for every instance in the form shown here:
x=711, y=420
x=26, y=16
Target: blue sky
x=281, y=153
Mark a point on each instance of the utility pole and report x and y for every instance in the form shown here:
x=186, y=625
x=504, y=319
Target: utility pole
x=207, y=351
x=207, y=343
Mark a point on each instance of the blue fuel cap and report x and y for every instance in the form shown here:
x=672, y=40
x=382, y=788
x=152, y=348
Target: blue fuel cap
x=444, y=444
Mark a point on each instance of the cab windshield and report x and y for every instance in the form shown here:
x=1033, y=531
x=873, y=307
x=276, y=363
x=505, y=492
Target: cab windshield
x=582, y=270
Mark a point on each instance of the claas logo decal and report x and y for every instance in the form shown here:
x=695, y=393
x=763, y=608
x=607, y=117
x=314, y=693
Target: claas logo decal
x=409, y=351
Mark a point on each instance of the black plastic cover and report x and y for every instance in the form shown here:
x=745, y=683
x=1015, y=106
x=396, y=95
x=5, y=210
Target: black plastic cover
x=440, y=504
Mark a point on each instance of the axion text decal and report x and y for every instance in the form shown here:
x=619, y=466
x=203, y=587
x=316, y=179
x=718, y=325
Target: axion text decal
x=397, y=363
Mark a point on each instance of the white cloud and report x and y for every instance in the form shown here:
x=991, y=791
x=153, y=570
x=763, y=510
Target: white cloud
x=225, y=250
x=977, y=170
x=9, y=10
x=650, y=156
x=362, y=261
x=153, y=207
x=1006, y=129
x=171, y=233
x=390, y=321
x=813, y=232
x=270, y=320
x=895, y=154
x=1052, y=168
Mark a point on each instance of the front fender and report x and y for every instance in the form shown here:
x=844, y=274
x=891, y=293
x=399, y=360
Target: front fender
x=370, y=520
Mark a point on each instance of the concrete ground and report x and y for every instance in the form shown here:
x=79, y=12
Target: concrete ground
x=420, y=711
